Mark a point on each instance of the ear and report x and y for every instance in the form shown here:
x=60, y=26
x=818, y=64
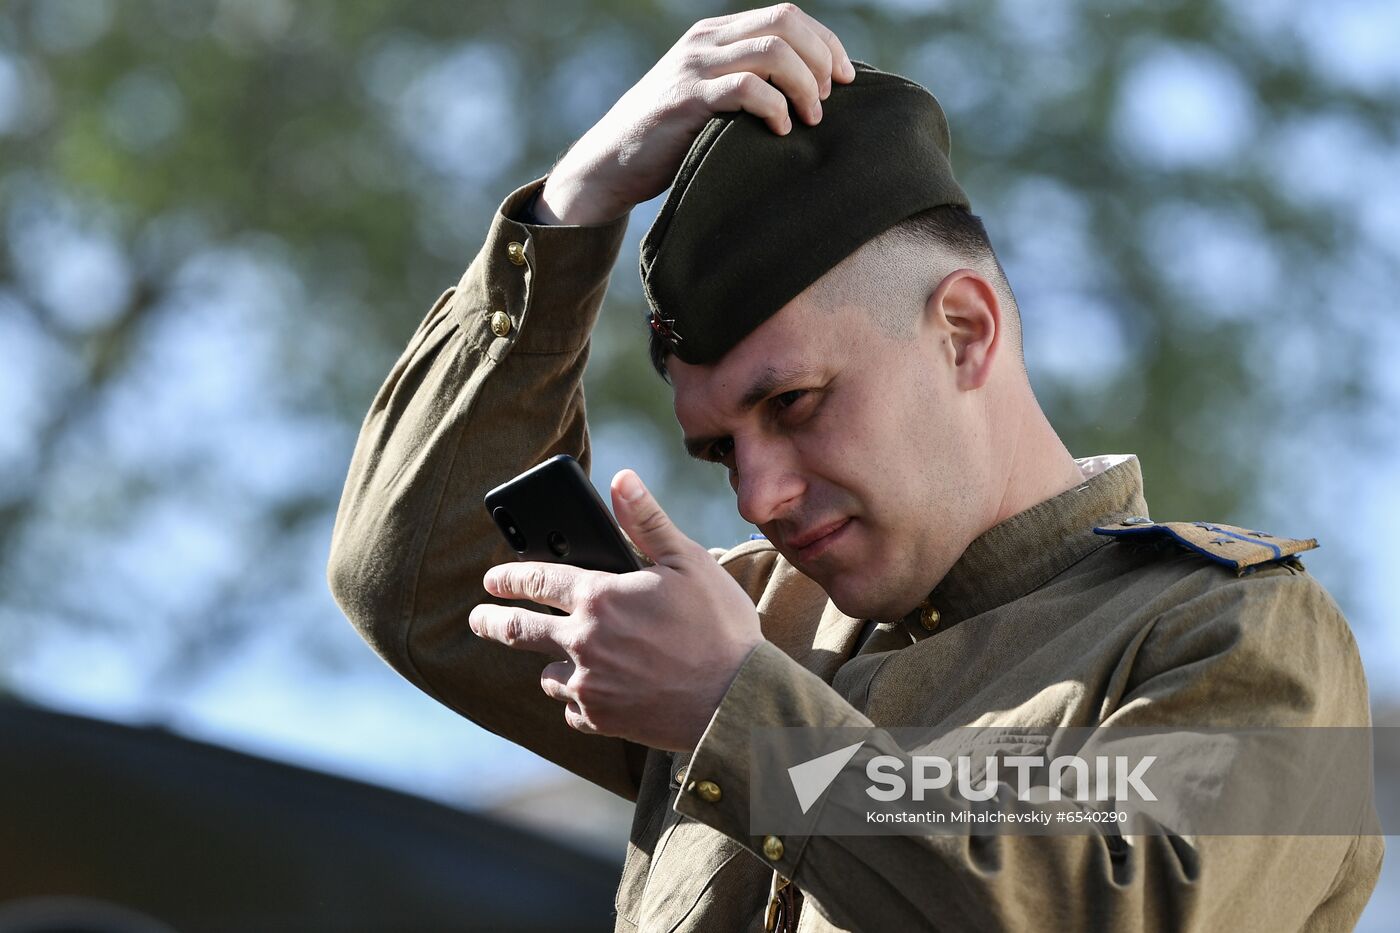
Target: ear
x=965, y=309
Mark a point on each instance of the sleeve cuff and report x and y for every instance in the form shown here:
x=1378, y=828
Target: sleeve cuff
x=770, y=690
x=537, y=288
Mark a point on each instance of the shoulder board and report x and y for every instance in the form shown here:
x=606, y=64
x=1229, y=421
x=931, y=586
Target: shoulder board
x=1240, y=549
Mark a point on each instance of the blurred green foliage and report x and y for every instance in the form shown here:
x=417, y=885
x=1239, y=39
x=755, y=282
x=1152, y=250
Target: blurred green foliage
x=1188, y=197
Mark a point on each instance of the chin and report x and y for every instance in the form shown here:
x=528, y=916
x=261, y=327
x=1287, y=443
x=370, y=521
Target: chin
x=861, y=598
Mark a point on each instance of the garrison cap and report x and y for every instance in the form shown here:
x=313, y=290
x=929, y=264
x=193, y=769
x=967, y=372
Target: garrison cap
x=753, y=218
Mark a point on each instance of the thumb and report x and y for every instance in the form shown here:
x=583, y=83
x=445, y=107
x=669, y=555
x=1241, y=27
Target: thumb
x=645, y=523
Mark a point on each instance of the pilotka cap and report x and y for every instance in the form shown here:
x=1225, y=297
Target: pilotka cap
x=753, y=218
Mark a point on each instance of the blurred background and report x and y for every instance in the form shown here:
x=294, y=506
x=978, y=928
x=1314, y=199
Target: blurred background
x=223, y=219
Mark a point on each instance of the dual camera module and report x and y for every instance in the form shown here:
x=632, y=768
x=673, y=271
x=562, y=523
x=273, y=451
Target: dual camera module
x=557, y=543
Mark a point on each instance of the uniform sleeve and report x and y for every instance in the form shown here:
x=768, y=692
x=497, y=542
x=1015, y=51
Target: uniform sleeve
x=1266, y=652
x=489, y=385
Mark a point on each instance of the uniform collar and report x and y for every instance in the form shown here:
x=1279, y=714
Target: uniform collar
x=1030, y=548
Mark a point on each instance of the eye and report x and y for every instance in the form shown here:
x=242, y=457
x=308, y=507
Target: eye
x=788, y=399
x=721, y=449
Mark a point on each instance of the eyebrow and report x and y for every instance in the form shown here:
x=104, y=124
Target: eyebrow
x=763, y=386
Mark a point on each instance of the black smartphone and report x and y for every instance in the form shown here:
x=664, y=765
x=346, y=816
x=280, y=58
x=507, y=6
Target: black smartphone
x=551, y=512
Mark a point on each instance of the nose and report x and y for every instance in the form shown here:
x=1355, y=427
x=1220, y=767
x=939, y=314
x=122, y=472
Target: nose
x=767, y=486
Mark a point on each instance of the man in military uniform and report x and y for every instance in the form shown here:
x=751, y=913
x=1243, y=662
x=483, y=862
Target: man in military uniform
x=840, y=337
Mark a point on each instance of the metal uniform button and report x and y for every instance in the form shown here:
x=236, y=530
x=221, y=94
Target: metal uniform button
x=772, y=848
x=680, y=777
x=516, y=252
x=500, y=324
x=929, y=617
x=709, y=791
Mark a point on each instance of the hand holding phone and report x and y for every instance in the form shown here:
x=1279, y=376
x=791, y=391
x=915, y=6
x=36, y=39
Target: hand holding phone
x=645, y=656
x=551, y=512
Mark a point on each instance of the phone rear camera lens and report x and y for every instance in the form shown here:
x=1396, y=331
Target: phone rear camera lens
x=558, y=544
x=507, y=525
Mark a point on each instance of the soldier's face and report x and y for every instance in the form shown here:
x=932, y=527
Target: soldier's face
x=855, y=451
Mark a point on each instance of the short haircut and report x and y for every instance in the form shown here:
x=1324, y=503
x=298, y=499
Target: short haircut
x=937, y=240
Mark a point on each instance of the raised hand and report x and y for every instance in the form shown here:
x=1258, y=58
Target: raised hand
x=720, y=65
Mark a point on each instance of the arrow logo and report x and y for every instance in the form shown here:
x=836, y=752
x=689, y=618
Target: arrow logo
x=811, y=778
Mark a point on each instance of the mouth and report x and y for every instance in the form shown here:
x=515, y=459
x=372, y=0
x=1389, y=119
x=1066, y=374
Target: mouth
x=814, y=542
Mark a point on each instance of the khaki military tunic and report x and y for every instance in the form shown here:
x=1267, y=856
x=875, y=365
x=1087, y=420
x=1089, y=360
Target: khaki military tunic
x=1041, y=623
